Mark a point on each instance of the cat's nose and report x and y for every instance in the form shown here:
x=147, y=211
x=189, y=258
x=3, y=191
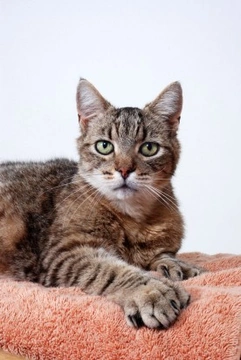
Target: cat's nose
x=125, y=172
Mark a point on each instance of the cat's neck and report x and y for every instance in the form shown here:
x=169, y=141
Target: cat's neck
x=138, y=208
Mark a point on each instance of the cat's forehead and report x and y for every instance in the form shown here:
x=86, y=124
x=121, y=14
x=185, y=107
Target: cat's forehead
x=129, y=114
x=127, y=122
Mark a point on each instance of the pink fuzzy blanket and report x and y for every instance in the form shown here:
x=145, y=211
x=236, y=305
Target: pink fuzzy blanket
x=63, y=324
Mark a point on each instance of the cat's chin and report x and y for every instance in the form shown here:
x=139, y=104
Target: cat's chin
x=124, y=192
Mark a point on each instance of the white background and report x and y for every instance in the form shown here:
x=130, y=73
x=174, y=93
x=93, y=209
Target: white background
x=130, y=50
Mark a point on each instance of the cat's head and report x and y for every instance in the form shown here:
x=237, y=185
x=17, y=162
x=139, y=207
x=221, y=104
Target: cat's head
x=128, y=154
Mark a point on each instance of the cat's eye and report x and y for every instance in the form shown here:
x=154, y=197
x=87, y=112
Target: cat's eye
x=149, y=149
x=104, y=147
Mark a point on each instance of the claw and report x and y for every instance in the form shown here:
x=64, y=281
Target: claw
x=165, y=271
x=180, y=275
x=174, y=305
x=136, y=320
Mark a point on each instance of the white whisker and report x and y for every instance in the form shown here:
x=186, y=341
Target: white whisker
x=79, y=189
x=162, y=198
x=76, y=200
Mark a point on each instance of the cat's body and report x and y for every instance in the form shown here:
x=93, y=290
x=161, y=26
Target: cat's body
x=49, y=203
x=102, y=223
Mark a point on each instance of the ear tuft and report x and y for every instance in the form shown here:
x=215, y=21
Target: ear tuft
x=168, y=105
x=90, y=103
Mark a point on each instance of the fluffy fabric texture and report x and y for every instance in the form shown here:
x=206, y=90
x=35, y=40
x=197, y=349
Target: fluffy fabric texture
x=60, y=324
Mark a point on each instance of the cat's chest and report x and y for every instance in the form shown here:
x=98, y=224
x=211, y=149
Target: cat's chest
x=140, y=243
x=97, y=226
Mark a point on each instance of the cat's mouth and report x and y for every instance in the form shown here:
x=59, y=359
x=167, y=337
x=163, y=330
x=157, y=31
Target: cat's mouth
x=124, y=191
x=125, y=187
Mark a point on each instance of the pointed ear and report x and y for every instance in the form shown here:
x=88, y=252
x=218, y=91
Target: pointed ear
x=168, y=105
x=90, y=103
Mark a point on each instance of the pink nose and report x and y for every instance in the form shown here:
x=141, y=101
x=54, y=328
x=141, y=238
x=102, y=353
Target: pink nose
x=125, y=172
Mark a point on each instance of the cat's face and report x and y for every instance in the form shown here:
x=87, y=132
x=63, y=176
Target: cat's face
x=128, y=154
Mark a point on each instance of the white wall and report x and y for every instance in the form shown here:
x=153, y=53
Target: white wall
x=130, y=50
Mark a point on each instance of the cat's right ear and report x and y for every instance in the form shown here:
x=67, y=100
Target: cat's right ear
x=90, y=103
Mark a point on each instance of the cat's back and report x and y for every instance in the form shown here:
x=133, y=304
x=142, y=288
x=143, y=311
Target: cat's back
x=25, y=173
x=24, y=181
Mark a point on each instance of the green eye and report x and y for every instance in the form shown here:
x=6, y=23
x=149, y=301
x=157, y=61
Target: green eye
x=149, y=149
x=104, y=147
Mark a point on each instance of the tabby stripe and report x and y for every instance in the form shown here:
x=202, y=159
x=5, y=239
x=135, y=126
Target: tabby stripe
x=117, y=126
x=67, y=247
x=54, y=275
x=55, y=268
x=110, y=133
x=70, y=270
x=137, y=130
x=93, y=277
x=66, y=269
x=60, y=249
x=76, y=277
x=109, y=281
x=144, y=133
x=131, y=281
x=61, y=256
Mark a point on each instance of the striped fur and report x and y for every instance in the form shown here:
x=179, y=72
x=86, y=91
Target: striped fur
x=103, y=222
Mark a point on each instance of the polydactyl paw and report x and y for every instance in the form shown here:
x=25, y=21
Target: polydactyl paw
x=176, y=269
x=155, y=304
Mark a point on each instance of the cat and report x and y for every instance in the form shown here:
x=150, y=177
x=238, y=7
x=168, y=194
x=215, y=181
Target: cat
x=106, y=223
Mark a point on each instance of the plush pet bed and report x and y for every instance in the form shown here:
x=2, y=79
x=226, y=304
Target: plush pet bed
x=63, y=324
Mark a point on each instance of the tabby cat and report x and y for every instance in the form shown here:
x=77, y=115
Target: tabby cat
x=103, y=223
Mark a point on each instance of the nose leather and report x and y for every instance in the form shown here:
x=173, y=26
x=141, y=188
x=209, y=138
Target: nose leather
x=125, y=172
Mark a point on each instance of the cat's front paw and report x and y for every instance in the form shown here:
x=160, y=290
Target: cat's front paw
x=156, y=304
x=176, y=269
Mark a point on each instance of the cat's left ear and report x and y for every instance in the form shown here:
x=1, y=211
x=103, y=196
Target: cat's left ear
x=168, y=105
x=90, y=103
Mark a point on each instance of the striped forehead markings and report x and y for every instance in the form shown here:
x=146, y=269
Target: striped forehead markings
x=129, y=119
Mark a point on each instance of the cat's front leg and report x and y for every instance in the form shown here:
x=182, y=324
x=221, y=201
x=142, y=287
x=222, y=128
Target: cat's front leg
x=172, y=268
x=155, y=303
